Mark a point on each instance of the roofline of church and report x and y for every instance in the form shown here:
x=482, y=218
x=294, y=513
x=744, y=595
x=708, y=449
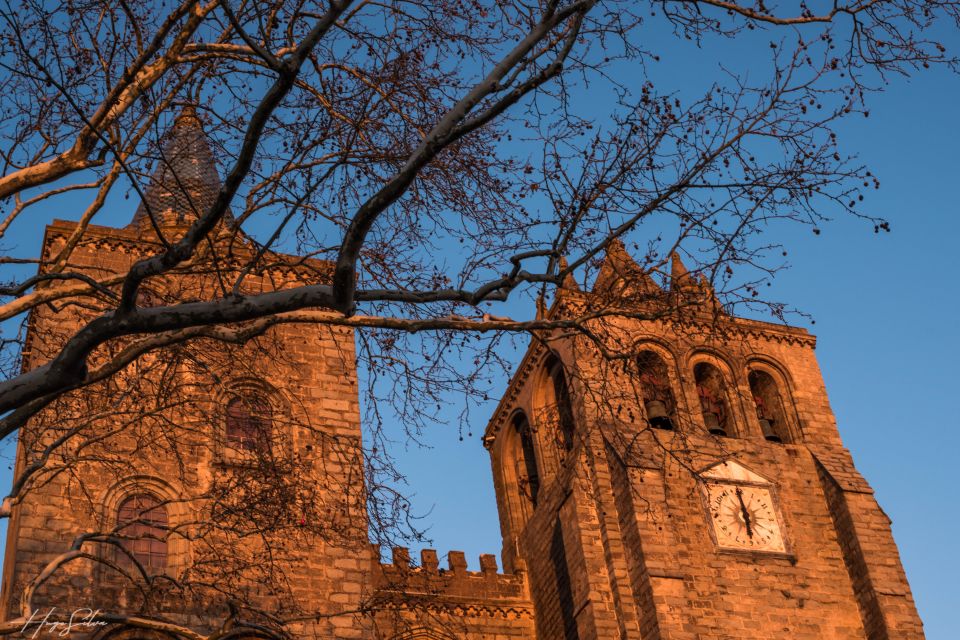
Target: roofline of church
x=132, y=238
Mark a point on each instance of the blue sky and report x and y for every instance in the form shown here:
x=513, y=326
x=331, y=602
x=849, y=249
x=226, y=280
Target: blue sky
x=885, y=308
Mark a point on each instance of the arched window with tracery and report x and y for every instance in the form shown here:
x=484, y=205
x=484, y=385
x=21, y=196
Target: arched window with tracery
x=769, y=403
x=528, y=478
x=714, y=405
x=143, y=526
x=249, y=422
x=658, y=398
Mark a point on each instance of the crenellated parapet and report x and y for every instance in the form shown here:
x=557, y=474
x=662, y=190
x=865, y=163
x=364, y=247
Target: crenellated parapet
x=427, y=585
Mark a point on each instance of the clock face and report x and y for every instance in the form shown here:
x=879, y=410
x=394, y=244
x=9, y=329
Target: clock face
x=744, y=518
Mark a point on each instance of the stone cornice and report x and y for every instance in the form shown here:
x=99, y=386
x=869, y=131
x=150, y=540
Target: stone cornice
x=743, y=328
x=440, y=604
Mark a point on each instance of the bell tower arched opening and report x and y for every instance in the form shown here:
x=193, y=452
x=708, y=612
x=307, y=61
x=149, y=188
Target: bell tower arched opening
x=769, y=404
x=714, y=405
x=554, y=407
x=658, y=399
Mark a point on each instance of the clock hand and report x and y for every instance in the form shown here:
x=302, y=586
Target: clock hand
x=746, y=514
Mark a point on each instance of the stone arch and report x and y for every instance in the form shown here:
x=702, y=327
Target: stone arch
x=650, y=341
x=772, y=399
x=519, y=469
x=675, y=371
x=657, y=386
x=177, y=511
x=774, y=366
x=126, y=632
x=715, y=390
x=279, y=401
x=716, y=357
x=553, y=414
x=423, y=633
x=265, y=404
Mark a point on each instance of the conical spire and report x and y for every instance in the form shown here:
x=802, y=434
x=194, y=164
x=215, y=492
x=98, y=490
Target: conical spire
x=620, y=260
x=185, y=182
x=694, y=289
x=541, y=307
x=680, y=278
x=569, y=282
x=710, y=295
x=619, y=265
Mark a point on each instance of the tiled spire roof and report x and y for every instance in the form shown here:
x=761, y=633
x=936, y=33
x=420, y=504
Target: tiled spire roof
x=185, y=182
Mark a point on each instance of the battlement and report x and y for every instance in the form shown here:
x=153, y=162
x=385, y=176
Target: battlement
x=430, y=580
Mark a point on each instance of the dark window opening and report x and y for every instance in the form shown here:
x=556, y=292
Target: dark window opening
x=713, y=399
x=564, y=407
x=658, y=399
x=562, y=582
x=527, y=476
x=769, y=404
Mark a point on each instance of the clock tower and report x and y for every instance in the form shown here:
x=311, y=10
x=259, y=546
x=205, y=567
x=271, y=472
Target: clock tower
x=677, y=473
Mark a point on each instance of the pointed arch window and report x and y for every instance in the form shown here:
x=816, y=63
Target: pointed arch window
x=528, y=478
x=249, y=422
x=143, y=524
x=658, y=399
x=561, y=393
x=769, y=405
x=714, y=406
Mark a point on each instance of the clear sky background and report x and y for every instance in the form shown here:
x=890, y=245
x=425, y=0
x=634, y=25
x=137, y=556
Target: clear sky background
x=886, y=309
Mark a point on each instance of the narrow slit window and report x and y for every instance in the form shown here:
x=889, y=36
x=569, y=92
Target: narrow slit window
x=528, y=477
x=561, y=392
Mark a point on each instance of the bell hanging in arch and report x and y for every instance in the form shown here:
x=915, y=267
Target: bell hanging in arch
x=769, y=433
x=712, y=422
x=657, y=415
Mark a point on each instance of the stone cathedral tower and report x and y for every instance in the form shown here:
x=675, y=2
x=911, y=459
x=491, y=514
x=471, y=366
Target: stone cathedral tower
x=678, y=476
x=697, y=488
x=200, y=460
